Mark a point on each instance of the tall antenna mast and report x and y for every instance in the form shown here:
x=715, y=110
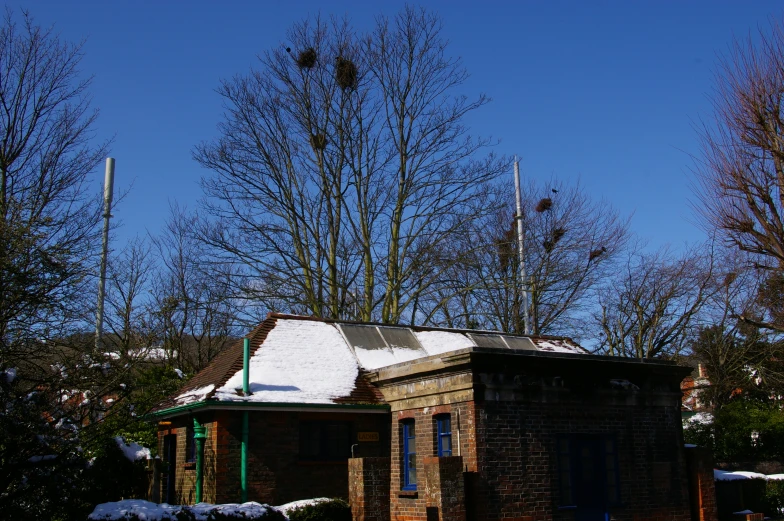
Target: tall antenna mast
x=108, y=191
x=520, y=246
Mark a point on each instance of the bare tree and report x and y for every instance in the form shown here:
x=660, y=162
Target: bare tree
x=651, y=308
x=191, y=312
x=741, y=175
x=130, y=274
x=571, y=244
x=344, y=166
x=49, y=232
x=47, y=215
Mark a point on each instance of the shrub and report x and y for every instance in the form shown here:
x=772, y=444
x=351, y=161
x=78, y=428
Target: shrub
x=774, y=498
x=332, y=510
x=140, y=510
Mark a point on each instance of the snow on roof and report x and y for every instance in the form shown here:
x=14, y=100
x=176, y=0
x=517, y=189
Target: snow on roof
x=723, y=475
x=557, y=346
x=701, y=418
x=301, y=361
x=305, y=360
x=194, y=395
x=132, y=450
x=437, y=342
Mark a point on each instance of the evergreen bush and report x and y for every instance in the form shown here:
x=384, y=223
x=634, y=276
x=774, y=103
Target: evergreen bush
x=332, y=510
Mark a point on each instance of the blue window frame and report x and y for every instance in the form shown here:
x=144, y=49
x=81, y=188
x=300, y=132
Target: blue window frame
x=444, y=433
x=409, y=455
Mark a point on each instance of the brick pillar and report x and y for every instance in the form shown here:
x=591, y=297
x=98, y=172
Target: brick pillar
x=444, y=488
x=702, y=491
x=368, y=489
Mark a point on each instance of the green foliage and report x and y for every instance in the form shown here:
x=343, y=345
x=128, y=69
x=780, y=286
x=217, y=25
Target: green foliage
x=332, y=510
x=146, y=388
x=729, y=436
x=774, y=498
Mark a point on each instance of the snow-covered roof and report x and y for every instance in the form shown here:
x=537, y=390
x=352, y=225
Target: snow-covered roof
x=311, y=361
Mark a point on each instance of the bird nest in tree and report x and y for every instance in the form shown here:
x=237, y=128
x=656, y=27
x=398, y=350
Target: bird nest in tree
x=558, y=233
x=745, y=226
x=307, y=58
x=544, y=205
x=596, y=253
x=318, y=141
x=345, y=73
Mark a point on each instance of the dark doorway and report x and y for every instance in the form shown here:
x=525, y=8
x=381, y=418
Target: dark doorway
x=589, y=479
x=170, y=458
x=588, y=475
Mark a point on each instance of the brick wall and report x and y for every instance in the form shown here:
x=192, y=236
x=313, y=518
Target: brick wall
x=185, y=472
x=412, y=505
x=444, y=489
x=276, y=473
x=508, y=443
x=702, y=488
x=368, y=491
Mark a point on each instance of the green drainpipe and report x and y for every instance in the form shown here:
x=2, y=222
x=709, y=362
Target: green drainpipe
x=244, y=447
x=199, y=435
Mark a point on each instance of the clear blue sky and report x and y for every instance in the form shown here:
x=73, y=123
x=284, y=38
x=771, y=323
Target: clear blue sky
x=604, y=92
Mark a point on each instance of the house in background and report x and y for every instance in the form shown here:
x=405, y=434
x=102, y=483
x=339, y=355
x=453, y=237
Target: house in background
x=425, y=423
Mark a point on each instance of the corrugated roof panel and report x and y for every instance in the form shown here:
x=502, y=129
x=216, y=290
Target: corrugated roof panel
x=400, y=338
x=519, y=342
x=485, y=340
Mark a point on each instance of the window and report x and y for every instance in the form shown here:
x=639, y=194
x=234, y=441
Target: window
x=444, y=433
x=190, y=444
x=587, y=470
x=409, y=455
x=324, y=440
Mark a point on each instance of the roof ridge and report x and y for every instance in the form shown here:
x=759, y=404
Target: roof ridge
x=287, y=316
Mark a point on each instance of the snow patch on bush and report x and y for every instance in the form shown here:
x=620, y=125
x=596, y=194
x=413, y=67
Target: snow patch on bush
x=132, y=450
x=138, y=509
x=301, y=503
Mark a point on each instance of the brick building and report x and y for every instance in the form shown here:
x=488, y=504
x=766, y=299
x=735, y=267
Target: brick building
x=443, y=424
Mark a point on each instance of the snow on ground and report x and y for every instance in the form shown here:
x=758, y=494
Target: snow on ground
x=132, y=450
x=147, y=511
x=301, y=361
x=299, y=504
x=194, y=395
x=143, y=510
x=438, y=342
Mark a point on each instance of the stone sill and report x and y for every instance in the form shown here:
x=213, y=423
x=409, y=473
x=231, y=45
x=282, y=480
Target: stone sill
x=410, y=494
